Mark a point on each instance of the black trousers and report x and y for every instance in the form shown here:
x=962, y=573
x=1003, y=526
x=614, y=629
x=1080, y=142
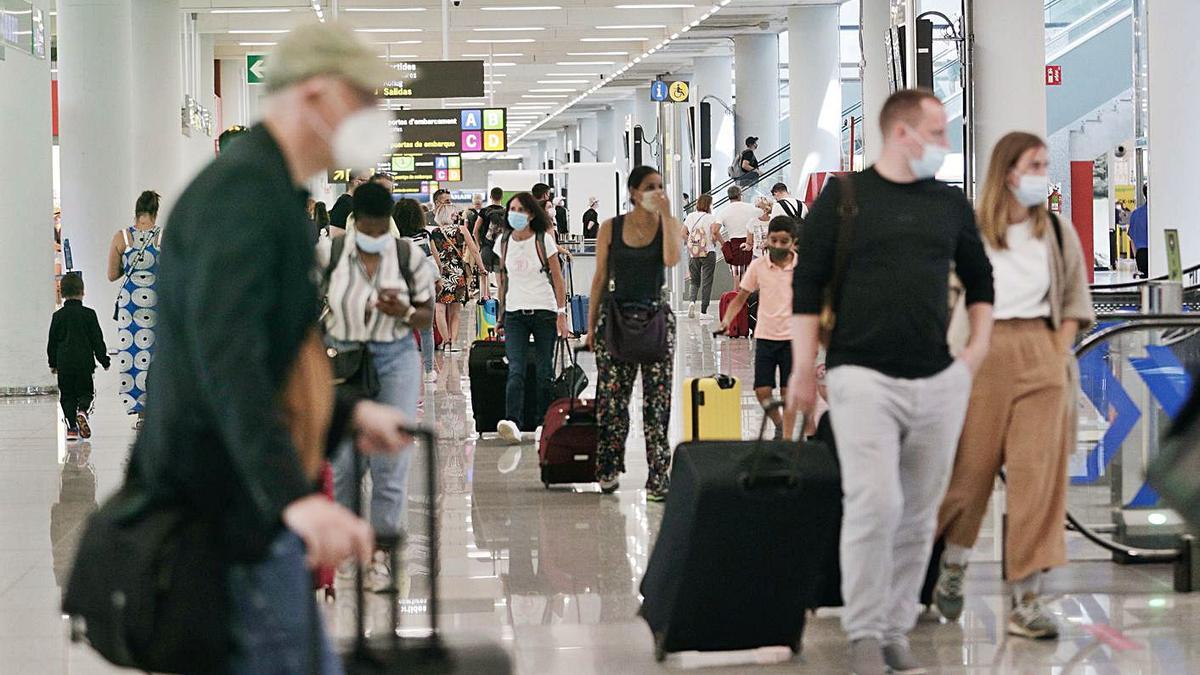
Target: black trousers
x=75, y=392
x=1142, y=256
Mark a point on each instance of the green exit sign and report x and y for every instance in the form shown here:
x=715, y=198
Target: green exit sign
x=255, y=69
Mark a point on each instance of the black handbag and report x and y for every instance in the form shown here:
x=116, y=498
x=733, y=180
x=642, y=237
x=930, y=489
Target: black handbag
x=148, y=587
x=354, y=370
x=570, y=379
x=636, y=332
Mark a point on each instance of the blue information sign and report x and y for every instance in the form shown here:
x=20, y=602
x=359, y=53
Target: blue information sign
x=658, y=91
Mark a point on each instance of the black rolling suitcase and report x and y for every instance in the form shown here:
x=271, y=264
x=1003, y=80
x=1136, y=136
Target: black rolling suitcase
x=740, y=551
x=487, y=367
x=388, y=654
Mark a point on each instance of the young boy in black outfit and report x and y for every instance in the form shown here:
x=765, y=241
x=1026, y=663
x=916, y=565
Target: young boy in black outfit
x=75, y=345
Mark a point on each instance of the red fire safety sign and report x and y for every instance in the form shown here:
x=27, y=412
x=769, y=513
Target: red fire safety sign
x=1053, y=76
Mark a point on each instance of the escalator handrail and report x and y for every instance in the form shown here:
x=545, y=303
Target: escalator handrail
x=1129, y=323
x=717, y=203
x=690, y=206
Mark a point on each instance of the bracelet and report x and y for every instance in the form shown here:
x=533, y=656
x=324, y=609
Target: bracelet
x=562, y=311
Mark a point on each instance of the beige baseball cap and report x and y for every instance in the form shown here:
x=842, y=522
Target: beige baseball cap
x=325, y=49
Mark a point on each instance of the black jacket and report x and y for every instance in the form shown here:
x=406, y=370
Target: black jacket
x=76, y=342
x=237, y=297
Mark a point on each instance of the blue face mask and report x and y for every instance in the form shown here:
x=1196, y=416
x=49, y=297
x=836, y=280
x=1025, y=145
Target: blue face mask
x=517, y=220
x=374, y=245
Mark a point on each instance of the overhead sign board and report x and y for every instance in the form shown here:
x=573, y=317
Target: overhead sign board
x=256, y=71
x=408, y=169
x=662, y=91
x=451, y=131
x=435, y=79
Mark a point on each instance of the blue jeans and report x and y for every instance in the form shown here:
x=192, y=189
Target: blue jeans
x=277, y=628
x=427, y=348
x=399, y=369
x=518, y=326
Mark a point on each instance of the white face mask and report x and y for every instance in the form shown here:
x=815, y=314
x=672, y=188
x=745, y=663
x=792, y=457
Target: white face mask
x=649, y=201
x=362, y=138
x=1031, y=190
x=371, y=244
x=931, y=159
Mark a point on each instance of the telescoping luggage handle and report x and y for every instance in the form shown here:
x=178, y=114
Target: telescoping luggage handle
x=723, y=382
x=393, y=543
x=786, y=478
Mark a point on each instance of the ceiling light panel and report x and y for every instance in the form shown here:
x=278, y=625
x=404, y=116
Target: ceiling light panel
x=382, y=10
x=497, y=41
x=389, y=30
x=640, y=26
x=597, y=53
x=613, y=39
x=493, y=29
x=522, y=8
x=250, y=11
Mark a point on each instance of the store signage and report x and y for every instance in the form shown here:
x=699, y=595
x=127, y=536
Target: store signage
x=256, y=69
x=670, y=92
x=1053, y=76
x=451, y=131
x=435, y=79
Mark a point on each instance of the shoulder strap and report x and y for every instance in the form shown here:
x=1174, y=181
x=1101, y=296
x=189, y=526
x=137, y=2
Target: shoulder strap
x=335, y=251
x=787, y=207
x=540, y=244
x=847, y=214
x=403, y=254
x=1056, y=225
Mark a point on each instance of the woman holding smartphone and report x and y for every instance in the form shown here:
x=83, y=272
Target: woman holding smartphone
x=379, y=289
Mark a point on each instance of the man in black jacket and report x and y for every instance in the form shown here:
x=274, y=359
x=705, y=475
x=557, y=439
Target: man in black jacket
x=238, y=309
x=75, y=345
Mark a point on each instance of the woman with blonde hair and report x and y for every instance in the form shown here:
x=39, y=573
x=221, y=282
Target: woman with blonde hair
x=1021, y=415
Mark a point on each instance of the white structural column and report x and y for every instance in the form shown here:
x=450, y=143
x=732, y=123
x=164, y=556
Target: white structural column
x=756, y=79
x=1010, y=74
x=1174, y=83
x=645, y=113
x=608, y=135
x=589, y=130
x=814, y=74
x=27, y=227
x=714, y=82
x=876, y=19
x=96, y=134
x=233, y=93
x=157, y=96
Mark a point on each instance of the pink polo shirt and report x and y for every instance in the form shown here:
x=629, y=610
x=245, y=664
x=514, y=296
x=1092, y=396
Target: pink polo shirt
x=774, y=285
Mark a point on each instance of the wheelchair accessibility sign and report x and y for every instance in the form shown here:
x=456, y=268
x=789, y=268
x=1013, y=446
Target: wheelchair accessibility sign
x=662, y=91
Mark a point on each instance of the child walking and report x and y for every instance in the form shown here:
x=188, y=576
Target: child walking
x=74, y=347
x=771, y=277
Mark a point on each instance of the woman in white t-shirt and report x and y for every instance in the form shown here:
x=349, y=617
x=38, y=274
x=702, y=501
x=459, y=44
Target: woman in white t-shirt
x=702, y=253
x=533, y=304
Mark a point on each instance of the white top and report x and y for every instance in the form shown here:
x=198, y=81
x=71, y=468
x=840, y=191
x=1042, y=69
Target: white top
x=1021, y=275
x=759, y=228
x=703, y=221
x=352, y=295
x=736, y=217
x=800, y=208
x=528, y=286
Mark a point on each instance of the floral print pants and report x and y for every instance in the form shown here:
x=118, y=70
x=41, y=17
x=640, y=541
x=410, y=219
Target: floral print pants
x=614, y=388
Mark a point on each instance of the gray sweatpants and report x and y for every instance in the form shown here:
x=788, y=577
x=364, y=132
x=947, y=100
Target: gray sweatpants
x=896, y=440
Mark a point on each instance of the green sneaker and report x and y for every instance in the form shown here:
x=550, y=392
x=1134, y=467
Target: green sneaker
x=1031, y=620
x=948, y=594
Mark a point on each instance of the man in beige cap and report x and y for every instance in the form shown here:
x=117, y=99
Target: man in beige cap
x=240, y=409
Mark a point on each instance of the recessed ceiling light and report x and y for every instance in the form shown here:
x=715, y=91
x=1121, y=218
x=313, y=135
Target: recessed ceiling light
x=613, y=39
x=494, y=41
x=657, y=5
x=383, y=9
x=631, y=26
x=585, y=63
x=597, y=53
x=276, y=31
x=563, y=81
x=522, y=8
x=389, y=30
x=508, y=30
x=278, y=10
x=257, y=44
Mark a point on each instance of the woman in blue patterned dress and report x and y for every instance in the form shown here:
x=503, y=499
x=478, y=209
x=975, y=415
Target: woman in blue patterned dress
x=133, y=260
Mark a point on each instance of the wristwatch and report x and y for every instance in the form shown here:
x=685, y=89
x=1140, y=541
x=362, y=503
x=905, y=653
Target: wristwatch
x=561, y=311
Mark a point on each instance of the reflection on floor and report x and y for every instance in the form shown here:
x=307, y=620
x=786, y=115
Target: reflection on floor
x=553, y=574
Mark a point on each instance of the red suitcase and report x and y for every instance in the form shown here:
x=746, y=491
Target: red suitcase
x=323, y=576
x=740, y=326
x=567, y=449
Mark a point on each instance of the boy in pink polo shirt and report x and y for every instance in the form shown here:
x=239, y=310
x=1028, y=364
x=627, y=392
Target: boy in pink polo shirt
x=771, y=276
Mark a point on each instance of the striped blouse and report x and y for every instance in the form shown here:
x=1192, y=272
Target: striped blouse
x=352, y=295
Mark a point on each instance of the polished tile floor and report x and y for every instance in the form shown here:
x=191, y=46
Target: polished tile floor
x=553, y=574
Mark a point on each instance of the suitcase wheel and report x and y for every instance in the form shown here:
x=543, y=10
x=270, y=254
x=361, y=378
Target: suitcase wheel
x=660, y=654
x=330, y=594
x=797, y=645
x=547, y=485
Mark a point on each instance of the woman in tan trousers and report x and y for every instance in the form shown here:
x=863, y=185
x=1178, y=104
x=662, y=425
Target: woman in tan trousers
x=1022, y=414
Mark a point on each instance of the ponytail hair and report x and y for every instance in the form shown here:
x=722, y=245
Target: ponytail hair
x=147, y=205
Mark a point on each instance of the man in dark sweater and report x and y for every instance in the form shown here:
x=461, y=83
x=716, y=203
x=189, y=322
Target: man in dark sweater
x=76, y=344
x=897, y=397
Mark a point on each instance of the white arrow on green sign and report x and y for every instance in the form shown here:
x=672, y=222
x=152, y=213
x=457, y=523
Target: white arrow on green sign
x=255, y=69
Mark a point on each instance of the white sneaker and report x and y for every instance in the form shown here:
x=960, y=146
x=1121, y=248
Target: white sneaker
x=431, y=376
x=379, y=576
x=510, y=460
x=509, y=431
x=691, y=310
x=537, y=435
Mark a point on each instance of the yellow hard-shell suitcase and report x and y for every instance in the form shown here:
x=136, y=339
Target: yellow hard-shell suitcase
x=712, y=408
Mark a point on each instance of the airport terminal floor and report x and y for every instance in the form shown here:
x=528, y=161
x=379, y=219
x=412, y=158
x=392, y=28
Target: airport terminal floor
x=553, y=574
